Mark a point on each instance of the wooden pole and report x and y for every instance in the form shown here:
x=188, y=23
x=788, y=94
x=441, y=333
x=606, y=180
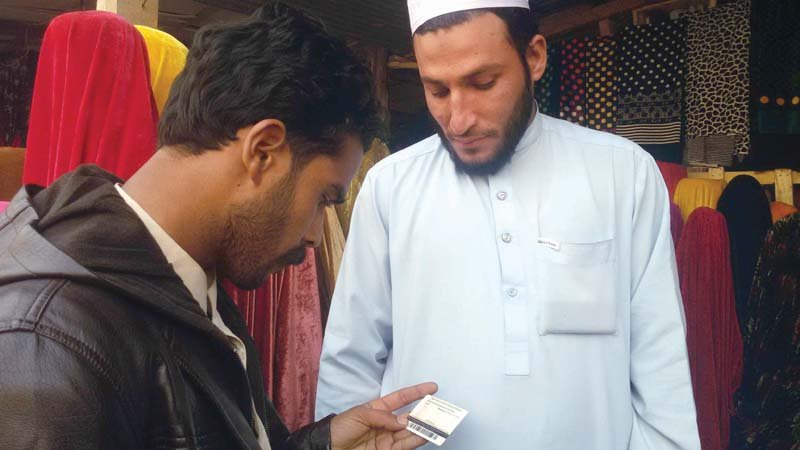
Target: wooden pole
x=137, y=12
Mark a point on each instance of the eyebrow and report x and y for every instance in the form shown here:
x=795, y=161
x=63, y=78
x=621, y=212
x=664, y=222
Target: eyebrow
x=479, y=71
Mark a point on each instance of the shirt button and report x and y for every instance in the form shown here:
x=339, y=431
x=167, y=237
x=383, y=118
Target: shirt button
x=506, y=238
x=502, y=195
x=512, y=292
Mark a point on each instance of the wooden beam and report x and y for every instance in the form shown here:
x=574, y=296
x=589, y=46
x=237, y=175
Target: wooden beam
x=783, y=179
x=586, y=14
x=376, y=58
x=138, y=12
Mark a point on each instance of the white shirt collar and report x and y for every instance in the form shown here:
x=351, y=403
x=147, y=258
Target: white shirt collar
x=202, y=285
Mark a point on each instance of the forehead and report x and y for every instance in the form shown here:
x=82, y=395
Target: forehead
x=463, y=48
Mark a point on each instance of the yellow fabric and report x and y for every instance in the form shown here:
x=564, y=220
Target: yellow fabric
x=376, y=152
x=780, y=210
x=167, y=58
x=693, y=193
x=332, y=248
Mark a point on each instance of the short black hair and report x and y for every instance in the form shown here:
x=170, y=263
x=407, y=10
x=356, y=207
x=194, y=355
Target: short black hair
x=279, y=63
x=522, y=24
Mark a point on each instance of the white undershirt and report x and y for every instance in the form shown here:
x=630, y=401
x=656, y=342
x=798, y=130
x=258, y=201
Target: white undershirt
x=201, y=284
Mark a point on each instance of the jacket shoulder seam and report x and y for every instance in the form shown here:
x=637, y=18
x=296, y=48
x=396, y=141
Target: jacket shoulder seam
x=34, y=314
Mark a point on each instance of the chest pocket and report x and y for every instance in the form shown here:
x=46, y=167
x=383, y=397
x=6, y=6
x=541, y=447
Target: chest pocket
x=577, y=285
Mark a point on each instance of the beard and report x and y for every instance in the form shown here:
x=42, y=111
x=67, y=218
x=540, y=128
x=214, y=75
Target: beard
x=255, y=229
x=512, y=134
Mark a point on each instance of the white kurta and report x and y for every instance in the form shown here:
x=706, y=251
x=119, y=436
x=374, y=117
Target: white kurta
x=543, y=299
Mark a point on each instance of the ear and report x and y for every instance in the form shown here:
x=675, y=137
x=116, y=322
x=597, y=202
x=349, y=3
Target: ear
x=265, y=148
x=536, y=56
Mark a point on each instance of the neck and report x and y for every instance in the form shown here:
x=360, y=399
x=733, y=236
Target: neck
x=180, y=193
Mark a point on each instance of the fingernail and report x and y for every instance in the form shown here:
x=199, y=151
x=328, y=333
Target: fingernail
x=402, y=421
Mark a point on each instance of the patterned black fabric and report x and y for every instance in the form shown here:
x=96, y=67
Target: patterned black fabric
x=775, y=68
x=573, y=80
x=17, y=72
x=601, y=90
x=717, y=75
x=768, y=402
x=650, y=80
x=546, y=90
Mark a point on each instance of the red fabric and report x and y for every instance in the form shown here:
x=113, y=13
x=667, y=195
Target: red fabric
x=712, y=328
x=92, y=101
x=672, y=173
x=675, y=223
x=285, y=320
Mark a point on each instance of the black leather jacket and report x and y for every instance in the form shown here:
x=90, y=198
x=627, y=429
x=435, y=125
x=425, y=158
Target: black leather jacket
x=101, y=344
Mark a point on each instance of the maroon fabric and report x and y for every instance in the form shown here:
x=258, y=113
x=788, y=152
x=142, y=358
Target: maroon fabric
x=284, y=318
x=712, y=328
x=92, y=101
x=675, y=223
x=672, y=173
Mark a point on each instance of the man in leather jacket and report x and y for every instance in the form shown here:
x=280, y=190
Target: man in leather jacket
x=114, y=332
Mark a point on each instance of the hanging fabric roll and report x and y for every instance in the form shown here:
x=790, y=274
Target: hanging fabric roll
x=167, y=58
x=780, y=210
x=547, y=89
x=672, y=174
x=775, y=66
x=573, y=82
x=746, y=209
x=651, y=72
x=692, y=193
x=717, y=83
x=775, y=84
x=712, y=328
x=92, y=101
x=768, y=406
x=601, y=90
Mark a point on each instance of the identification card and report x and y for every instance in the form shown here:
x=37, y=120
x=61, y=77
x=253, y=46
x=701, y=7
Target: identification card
x=435, y=419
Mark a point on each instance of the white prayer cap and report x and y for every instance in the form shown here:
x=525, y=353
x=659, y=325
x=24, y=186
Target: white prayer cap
x=421, y=11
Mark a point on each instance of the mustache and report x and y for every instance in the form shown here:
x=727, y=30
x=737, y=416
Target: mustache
x=294, y=257
x=470, y=135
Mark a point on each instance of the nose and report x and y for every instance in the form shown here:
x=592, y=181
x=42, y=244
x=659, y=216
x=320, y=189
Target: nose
x=462, y=115
x=314, y=236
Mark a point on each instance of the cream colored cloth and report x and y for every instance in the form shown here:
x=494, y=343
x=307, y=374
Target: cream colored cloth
x=332, y=248
x=377, y=151
x=201, y=284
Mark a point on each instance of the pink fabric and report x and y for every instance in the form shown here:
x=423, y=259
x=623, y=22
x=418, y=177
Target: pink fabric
x=672, y=173
x=3, y=206
x=712, y=329
x=285, y=320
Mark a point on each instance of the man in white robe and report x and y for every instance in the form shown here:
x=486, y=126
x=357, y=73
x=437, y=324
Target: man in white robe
x=522, y=262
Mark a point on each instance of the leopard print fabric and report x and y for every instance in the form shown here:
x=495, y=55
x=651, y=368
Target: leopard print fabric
x=718, y=76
